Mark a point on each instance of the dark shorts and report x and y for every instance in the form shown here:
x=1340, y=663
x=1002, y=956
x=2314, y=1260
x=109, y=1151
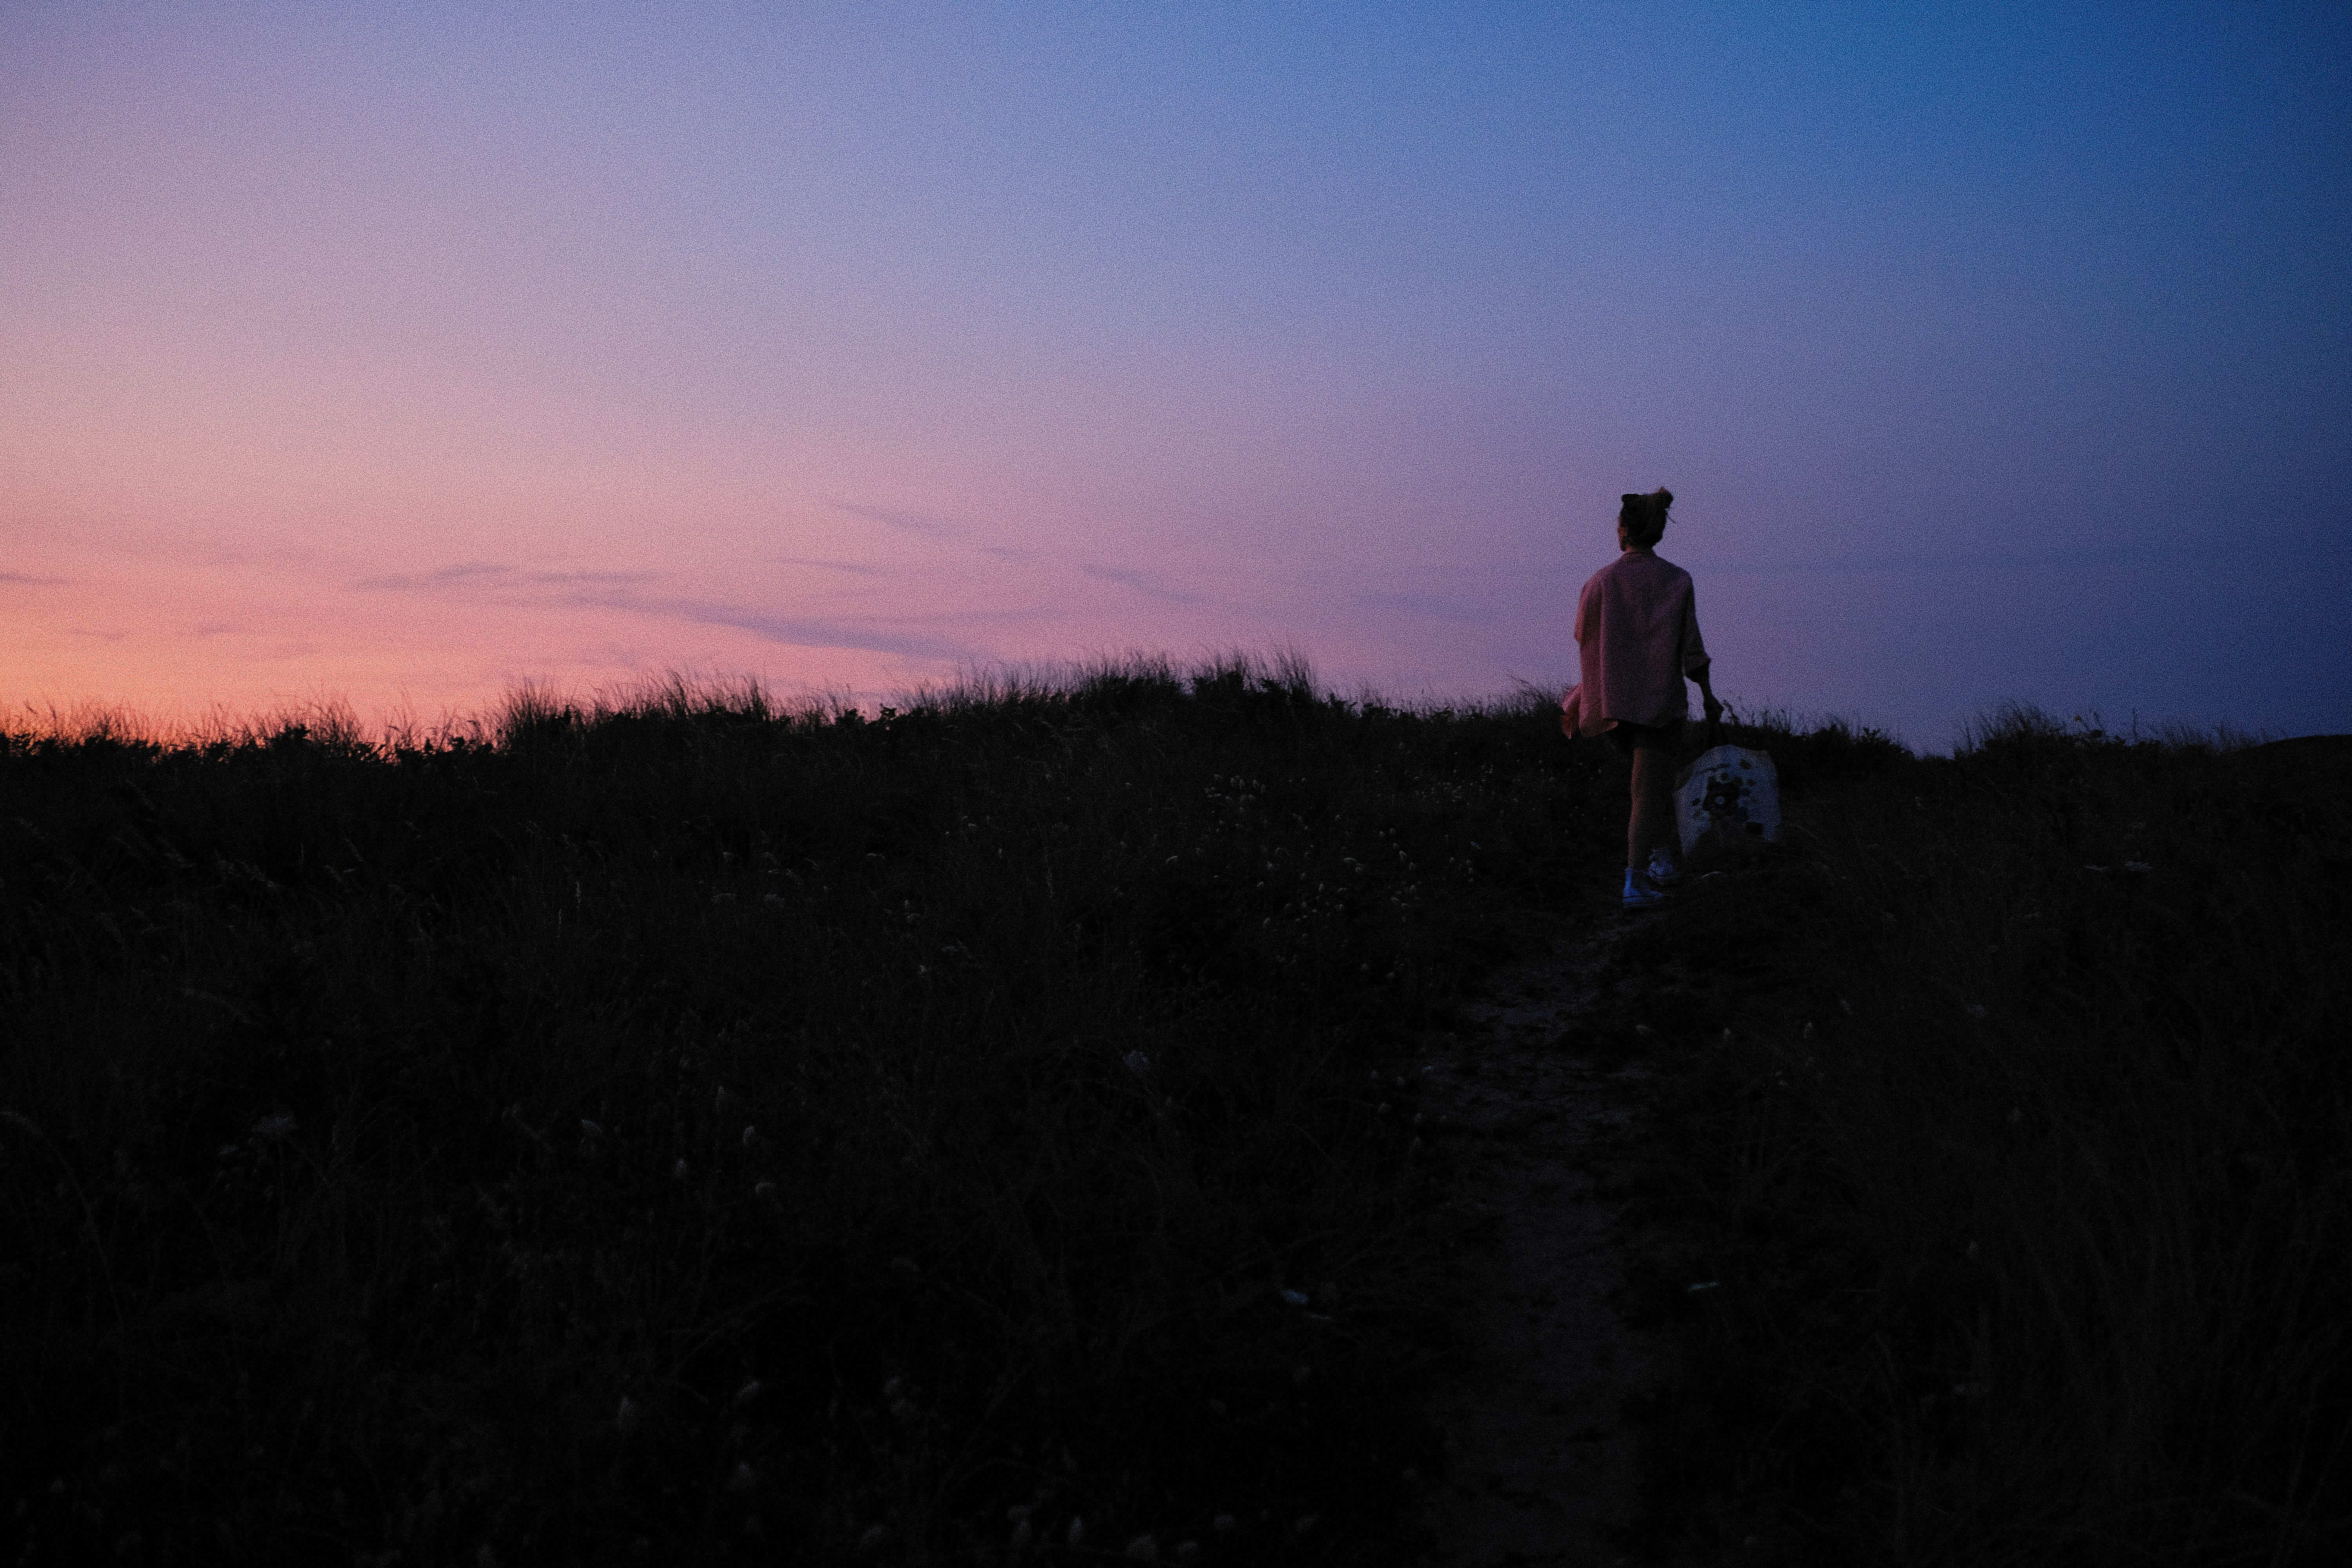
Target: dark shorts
x=1656, y=737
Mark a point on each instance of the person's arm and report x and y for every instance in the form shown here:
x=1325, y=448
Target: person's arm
x=1707, y=695
x=1696, y=665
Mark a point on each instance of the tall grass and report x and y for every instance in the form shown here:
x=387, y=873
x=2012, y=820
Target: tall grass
x=680, y=1124
x=664, y=1126
x=2021, y=1169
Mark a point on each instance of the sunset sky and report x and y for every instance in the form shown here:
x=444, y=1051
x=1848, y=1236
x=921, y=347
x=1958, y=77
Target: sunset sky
x=402, y=352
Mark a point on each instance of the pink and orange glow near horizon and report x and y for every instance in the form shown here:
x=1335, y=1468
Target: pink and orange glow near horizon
x=401, y=354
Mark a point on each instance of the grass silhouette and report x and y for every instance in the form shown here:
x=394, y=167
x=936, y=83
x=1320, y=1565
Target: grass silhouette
x=690, y=1121
x=2021, y=1165
x=683, y=1126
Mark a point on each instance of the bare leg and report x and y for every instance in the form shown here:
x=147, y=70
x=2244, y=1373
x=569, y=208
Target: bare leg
x=1652, y=823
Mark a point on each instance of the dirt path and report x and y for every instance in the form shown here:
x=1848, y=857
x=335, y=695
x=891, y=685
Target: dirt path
x=1540, y=1461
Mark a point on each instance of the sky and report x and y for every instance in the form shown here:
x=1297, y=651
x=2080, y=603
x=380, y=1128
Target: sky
x=401, y=354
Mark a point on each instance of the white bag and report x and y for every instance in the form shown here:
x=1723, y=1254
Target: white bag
x=1730, y=796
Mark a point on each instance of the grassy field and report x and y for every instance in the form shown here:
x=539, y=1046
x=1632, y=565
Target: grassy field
x=2020, y=1180
x=687, y=1130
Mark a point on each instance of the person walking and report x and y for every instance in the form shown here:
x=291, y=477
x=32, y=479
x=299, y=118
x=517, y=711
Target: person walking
x=1637, y=641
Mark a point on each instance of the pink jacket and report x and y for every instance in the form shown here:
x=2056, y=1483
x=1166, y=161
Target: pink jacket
x=1637, y=633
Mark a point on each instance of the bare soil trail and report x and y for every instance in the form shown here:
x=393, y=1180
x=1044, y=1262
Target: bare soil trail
x=1540, y=1458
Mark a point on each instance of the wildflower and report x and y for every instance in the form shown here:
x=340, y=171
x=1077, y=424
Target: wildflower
x=625, y=1418
x=589, y=1129
x=1975, y=1011
x=1705, y=1285
x=1295, y=1297
x=748, y=1392
x=1022, y=1535
x=1077, y=1531
x=744, y=1479
x=763, y=1189
x=679, y=1171
x=1138, y=1063
x=750, y=1136
x=2137, y=866
x=1305, y=1524
x=876, y=1536
x=274, y=1127
x=1144, y=1548
x=892, y=1389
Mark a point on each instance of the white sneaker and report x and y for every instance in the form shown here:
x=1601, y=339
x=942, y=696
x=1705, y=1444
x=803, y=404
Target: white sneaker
x=1640, y=891
x=1662, y=868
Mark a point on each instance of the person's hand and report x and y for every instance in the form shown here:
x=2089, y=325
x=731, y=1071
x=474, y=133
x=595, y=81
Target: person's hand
x=1714, y=709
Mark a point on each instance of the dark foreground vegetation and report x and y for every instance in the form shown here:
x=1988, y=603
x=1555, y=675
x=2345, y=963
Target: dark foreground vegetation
x=688, y=1130
x=691, y=1129
x=2021, y=1184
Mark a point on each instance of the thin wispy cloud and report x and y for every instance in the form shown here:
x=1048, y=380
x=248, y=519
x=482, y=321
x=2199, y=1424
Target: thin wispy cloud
x=21, y=580
x=1141, y=582
x=1996, y=560
x=1427, y=606
x=802, y=631
x=621, y=591
x=853, y=568
x=924, y=524
x=494, y=576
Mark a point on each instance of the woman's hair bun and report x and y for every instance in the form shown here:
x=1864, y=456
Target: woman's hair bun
x=1644, y=517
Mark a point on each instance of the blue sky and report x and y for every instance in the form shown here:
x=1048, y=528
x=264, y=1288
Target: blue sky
x=404, y=352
